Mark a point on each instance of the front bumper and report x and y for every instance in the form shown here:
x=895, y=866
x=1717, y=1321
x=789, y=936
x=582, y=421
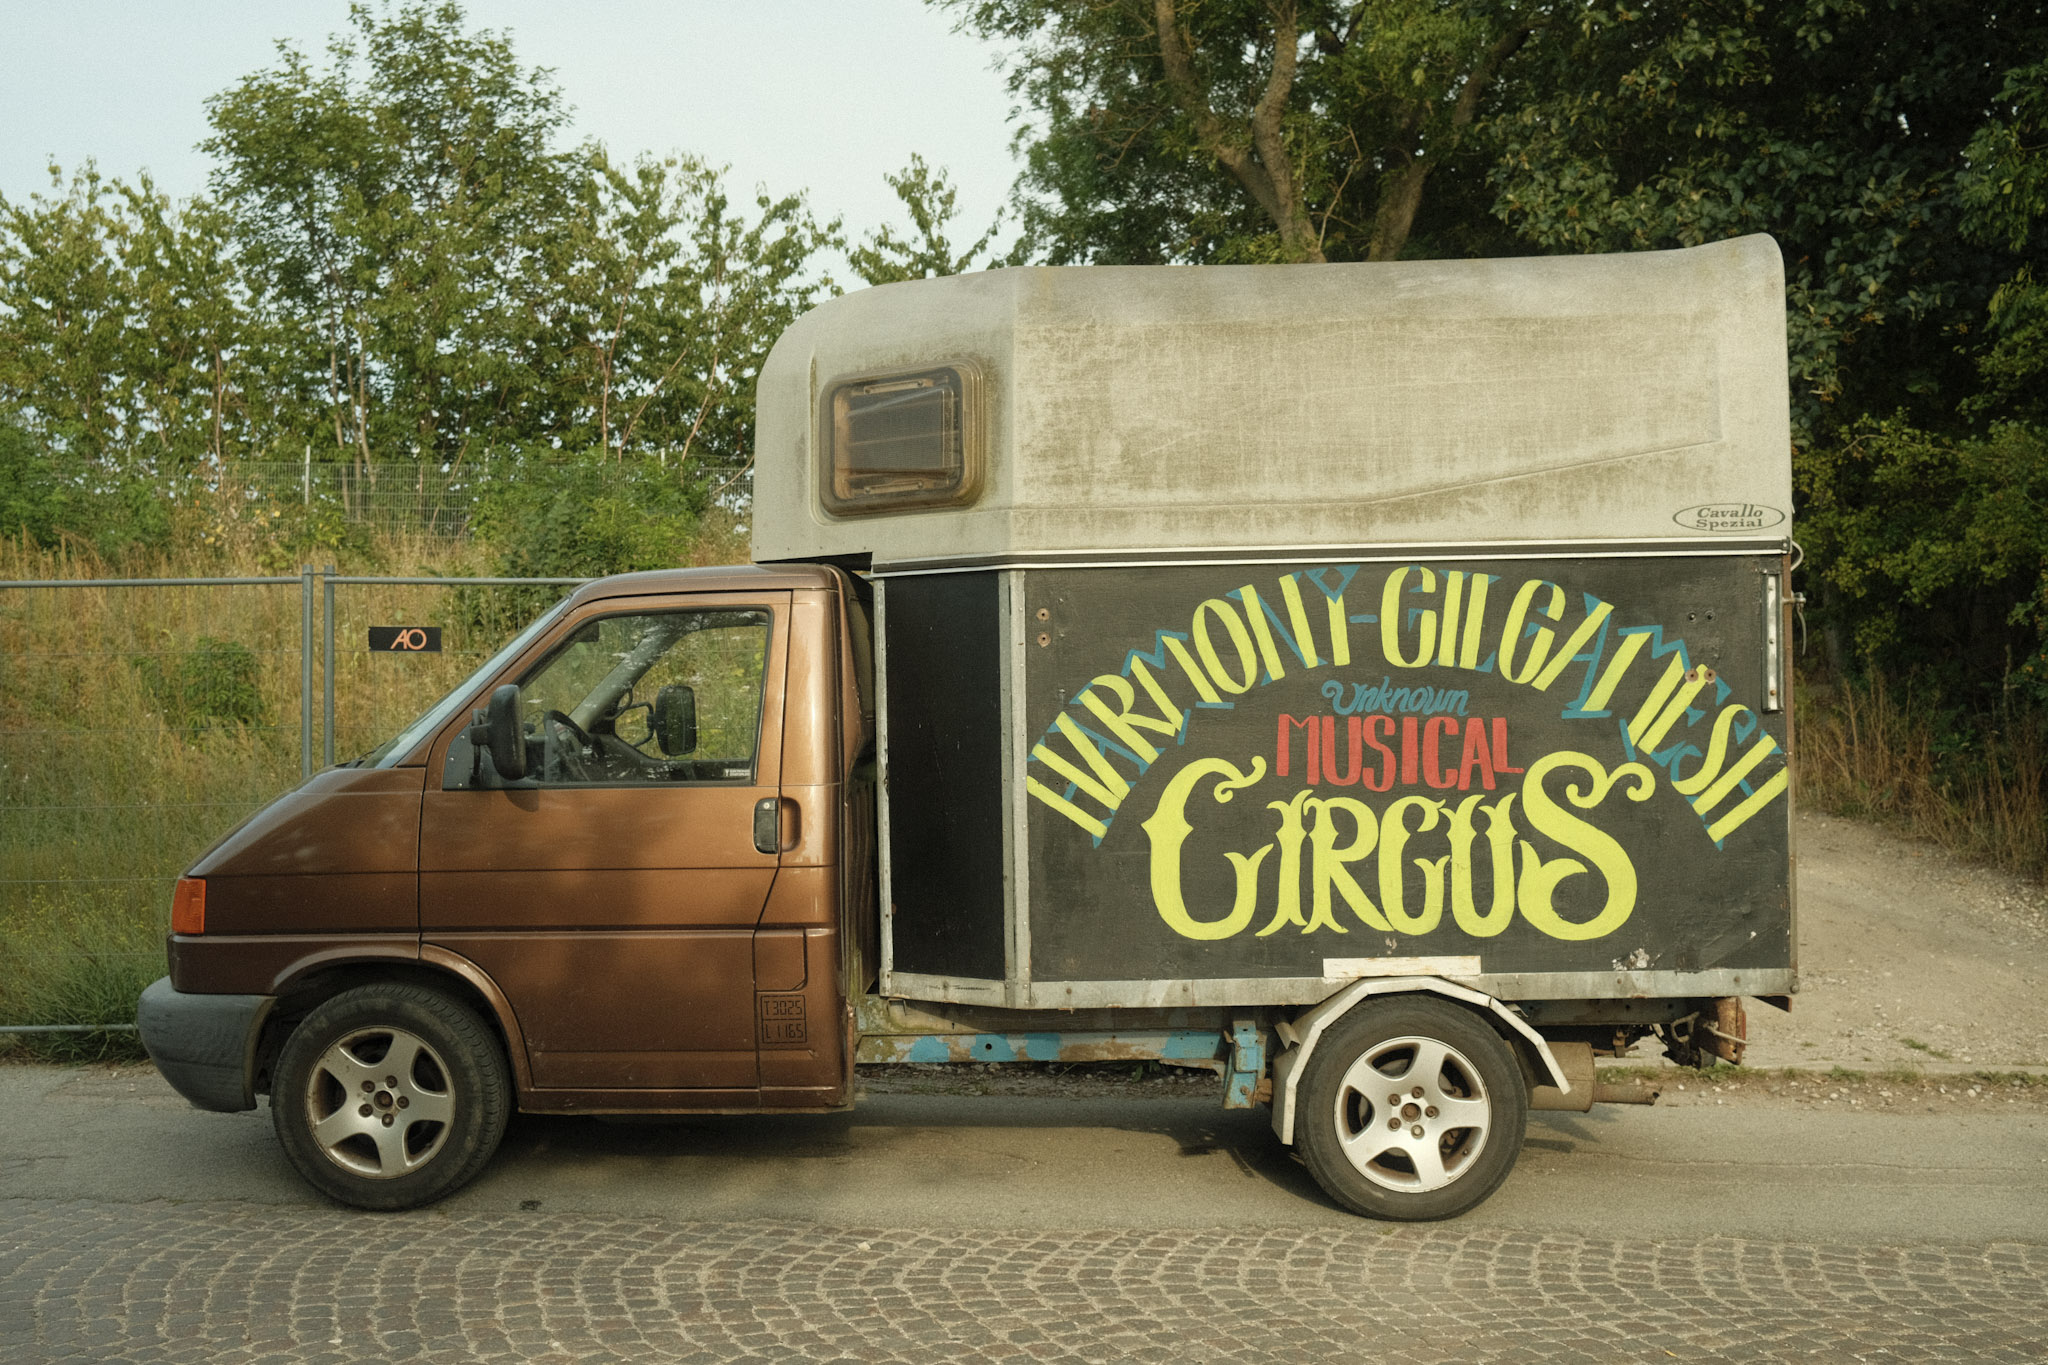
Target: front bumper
x=205, y=1045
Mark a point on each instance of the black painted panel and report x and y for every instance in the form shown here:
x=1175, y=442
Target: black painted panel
x=1493, y=808
x=945, y=773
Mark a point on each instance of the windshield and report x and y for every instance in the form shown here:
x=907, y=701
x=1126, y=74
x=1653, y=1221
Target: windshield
x=393, y=750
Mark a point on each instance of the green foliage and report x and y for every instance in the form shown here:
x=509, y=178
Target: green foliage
x=215, y=683
x=2005, y=204
x=47, y=496
x=551, y=515
x=889, y=256
x=74, y=962
x=1837, y=127
x=1937, y=549
x=1242, y=130
x=400, y=263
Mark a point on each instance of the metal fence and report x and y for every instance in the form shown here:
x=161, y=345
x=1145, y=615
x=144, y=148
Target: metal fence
x=398, y=498
x=140, y=719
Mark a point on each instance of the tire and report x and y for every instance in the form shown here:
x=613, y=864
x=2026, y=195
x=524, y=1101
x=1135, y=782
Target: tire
x=390, y=1096
x=1411, y=1109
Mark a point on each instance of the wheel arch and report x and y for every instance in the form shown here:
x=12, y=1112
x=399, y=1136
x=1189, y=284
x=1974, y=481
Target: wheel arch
x=310, y=984
x=1306, y=1030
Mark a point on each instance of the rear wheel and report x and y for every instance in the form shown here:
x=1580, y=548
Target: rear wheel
x=391, y=1096
x=1411, y=1109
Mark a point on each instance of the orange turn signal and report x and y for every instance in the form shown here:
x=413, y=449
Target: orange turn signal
x=188, y=906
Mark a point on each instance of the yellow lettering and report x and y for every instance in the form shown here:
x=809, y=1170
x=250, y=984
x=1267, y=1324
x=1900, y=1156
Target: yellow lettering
x=1168, y=829
x=1610, y=677
x=1650, y=725
x=1569, y=650
x=1095, y=827
x=1475, y=621
x=1390, y=619
x=1329, y=869
x=1518, y=619
x=1240, y=640
x=1194, y=671
x=1297, y=616
x=1255, y=612
x=1751, y=804
x=1110, y=790
x=1393, y=842
x=1340, y=632
x=1124, y=723
x=1717, y=753
x=1500, y=840
x=1536, y=891
x=1288, y=909
x=1454, y=596
x=1159, y=697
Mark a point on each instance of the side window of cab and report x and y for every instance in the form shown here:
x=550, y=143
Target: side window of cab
x=641, y=698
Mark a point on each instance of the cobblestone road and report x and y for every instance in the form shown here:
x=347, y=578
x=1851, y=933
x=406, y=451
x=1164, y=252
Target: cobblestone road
x=232, y=1283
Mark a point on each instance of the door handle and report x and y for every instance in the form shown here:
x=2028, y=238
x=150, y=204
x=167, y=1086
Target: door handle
x=772, y=833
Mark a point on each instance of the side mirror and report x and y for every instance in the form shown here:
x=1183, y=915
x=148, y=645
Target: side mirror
x=497, y=730
x=675, y=719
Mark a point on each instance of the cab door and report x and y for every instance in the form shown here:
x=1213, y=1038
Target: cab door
x=613, y=894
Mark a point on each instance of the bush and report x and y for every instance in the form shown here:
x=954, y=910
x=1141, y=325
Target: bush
x=550, y=515
x=214, y=683
x=47, y=497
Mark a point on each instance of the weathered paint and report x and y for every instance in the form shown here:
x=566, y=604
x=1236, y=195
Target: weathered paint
x=1625, y=396
x=1247, y=1066
x=1172, y=1045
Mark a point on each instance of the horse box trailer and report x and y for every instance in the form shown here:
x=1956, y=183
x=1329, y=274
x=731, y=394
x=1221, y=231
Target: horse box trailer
x=1363, y=681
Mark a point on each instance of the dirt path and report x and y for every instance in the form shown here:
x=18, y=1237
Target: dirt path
x=1908, y=958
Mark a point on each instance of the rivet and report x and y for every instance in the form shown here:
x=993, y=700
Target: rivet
x=1416, y=1092
x=1043, y=639
x=1393, y=1125
x=387, y=1123
x=365, y=1111
x=1415, y=1131
x=1428, y=1113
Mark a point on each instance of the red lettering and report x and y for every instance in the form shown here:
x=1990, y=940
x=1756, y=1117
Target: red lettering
x=1500, y=746
x=1351, y=728
x=1433, y=771
x=1408, y=761
x=1308, y=746
x=1373, y=726
x=1475, y=756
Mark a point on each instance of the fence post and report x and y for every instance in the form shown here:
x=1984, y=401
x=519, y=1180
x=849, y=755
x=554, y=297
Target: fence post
x=327, y=671
x=305, y=670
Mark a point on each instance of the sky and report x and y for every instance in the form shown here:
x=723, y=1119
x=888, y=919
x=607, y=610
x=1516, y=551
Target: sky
x=790, y=94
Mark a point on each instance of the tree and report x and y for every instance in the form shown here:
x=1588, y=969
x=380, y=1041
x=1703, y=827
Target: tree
x=392, y=211
x=121, y=324
x=1884, y=144
x=888, y=256
x=669, y=298
x=1838, y=127
x=1299, y=130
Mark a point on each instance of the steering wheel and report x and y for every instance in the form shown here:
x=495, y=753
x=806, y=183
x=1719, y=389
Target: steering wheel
x=566, y=749
x=619, y=710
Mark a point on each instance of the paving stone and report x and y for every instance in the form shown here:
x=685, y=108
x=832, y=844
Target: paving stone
x=230, y=1283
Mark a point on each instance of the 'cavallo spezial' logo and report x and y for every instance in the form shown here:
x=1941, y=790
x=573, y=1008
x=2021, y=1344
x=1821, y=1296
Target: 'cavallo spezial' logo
x=1729, y=516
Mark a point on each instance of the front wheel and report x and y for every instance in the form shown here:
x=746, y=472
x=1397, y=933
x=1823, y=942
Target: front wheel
x=1411, y=1109
x=391, y=1096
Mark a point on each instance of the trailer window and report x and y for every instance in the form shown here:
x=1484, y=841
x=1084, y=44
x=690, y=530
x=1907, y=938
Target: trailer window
x=902, y=440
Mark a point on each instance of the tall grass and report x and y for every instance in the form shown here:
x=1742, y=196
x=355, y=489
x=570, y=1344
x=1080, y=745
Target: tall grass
x=138, y=725
x=1981, y=789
